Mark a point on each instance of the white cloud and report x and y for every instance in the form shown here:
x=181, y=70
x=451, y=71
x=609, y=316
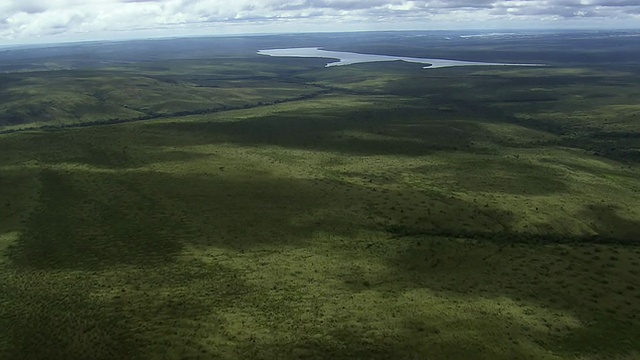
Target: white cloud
x=23, y=20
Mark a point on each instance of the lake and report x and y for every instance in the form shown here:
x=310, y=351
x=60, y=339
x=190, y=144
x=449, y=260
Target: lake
x=348, y=58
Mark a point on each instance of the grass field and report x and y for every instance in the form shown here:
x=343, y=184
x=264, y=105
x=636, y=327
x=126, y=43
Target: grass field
x=451, y=214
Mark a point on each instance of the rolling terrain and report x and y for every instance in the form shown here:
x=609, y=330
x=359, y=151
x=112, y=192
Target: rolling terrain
x=224, y=205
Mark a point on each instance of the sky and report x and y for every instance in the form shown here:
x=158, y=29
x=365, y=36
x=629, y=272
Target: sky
x=41, y=21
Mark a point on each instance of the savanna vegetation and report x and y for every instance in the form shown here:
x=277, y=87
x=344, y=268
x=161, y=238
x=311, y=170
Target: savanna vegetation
x=246, y=207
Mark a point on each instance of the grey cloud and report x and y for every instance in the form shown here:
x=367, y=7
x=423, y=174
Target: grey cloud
x=332, y=4
x=24, y=18
x=374, y=4
x=634, y=3
x=464, y=4
x=27, y=6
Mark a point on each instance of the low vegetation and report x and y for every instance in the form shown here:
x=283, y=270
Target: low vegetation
x=366, y=212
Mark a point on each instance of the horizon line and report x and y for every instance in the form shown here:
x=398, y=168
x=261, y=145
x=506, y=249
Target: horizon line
x=496, y=31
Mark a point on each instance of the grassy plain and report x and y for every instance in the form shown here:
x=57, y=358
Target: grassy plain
x=400, y=213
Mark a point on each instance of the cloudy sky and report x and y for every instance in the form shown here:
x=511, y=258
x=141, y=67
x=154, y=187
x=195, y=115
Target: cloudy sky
x=28, y=21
